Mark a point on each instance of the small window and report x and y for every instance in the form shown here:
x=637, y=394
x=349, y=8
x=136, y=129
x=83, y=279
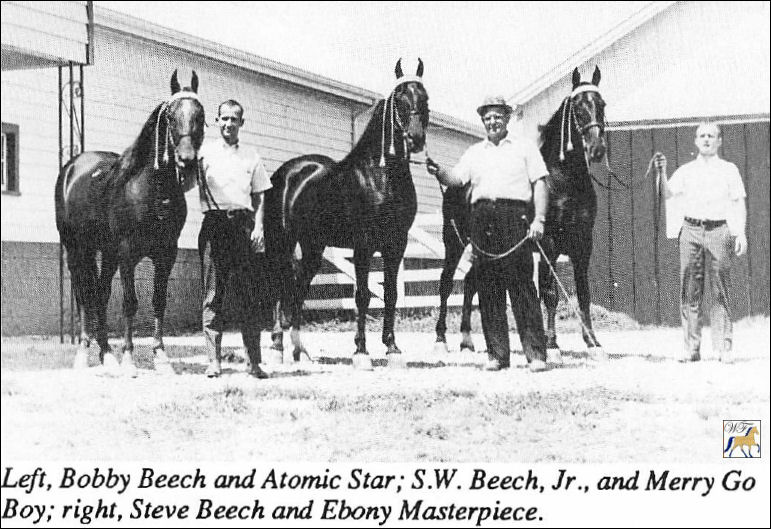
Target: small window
x=10, y=158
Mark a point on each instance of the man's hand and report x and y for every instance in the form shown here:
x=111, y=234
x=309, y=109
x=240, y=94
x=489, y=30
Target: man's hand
x=258, y=240
x=432, y=167
x=740, y=246
x=659, y=162
x=536, y=230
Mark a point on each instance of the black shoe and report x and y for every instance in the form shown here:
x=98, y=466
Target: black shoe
x=257, y=372
x=495, y=365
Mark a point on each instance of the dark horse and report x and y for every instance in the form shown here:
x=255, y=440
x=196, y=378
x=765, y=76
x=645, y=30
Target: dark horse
x=127, y=207
x=573, y=138
x=366, y=202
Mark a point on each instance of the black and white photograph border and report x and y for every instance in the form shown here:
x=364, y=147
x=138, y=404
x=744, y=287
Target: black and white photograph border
x=85, y=76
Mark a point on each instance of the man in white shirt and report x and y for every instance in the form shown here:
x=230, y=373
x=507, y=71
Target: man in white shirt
x=506, y=175
x=231, y=238
x=711, y=196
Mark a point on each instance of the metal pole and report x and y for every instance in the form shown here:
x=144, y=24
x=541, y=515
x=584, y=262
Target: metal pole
x=61, y=246
x=72, y=153
x=82, y=112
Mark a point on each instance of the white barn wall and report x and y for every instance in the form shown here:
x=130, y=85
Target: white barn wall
x=54, y=30
x=688, y=61
x=29, y=100
x=131, y=77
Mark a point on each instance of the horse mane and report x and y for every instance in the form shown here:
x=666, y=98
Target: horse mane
x=372, y=135
x=142, y=151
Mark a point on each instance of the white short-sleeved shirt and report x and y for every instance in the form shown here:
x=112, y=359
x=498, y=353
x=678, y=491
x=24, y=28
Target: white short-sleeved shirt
x=705, y=189
x=506, y=170
x=233, y=173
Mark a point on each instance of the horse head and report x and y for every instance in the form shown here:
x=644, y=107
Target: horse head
x=185, y=119
x=410, y=107
x=588, y=111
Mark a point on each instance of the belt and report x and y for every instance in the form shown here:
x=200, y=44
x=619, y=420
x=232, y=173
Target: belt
x=508, y=201
x=229, y=213
x=706, y=224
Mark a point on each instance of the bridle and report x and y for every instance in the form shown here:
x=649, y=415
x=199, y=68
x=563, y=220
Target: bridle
x=164, y=113
x=396, y=120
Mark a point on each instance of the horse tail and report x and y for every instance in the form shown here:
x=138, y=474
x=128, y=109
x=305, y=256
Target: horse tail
x=730, y=442
x=278, y=244
x=59, y=192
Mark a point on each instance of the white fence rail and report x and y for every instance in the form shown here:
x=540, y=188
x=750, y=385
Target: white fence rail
x=422, y=245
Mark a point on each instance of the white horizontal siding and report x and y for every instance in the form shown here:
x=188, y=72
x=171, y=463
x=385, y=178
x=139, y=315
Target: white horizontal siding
x=56, y=30
x=131, y=77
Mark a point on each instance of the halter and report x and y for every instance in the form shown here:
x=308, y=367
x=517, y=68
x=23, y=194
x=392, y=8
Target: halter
x=395, y=118
x=569, y=117
x=182, y=94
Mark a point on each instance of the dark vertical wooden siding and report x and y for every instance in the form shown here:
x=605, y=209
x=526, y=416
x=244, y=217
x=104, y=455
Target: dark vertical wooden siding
x=635, y=268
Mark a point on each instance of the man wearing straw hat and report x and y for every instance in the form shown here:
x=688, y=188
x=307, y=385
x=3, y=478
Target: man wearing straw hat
x=506, y=176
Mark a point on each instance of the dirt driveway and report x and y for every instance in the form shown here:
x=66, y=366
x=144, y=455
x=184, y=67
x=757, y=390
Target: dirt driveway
x=639, y=406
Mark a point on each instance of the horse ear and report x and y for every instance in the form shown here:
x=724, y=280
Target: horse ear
x=576, y=77
x=596, y=76
x=398, y=70
x=194, y=82
x=174, y=83
x=419, y=73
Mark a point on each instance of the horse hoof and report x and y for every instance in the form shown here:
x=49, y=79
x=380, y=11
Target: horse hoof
x=303, y=357
x=396, y=361
x=362, y=362
x=273, y=356
x=466, y=347
x=553, y=356
x=441, y=348
x=164, y=368
x=81, y=360
x=127, y=367
x=287, y=356
x=597, y=354
x=110, y=363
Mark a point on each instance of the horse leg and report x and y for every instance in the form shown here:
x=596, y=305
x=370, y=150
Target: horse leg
x=283, y=266
x=127, y=264
x=104, y=289
x=275, y=354
x=392, y=257
x=547, y=286
x=581, y=275
x=163, y=263
x=452, y=254
x=309, y=265
x=469, y=289
x=361, y=261
x=277, y=335
x=82, y=273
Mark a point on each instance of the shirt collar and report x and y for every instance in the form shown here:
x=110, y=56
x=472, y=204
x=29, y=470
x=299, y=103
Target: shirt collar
x=711, y=160
x=488, y=143
x=226, y=145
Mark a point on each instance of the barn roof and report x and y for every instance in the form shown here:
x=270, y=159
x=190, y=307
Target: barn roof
x=189, y=43
x=557, y=71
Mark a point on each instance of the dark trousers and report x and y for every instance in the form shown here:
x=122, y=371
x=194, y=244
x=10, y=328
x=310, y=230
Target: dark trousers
x=224, y=247
x=496, y=226
x=706, y=251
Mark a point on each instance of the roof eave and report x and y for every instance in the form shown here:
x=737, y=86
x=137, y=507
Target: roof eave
x=592, y=49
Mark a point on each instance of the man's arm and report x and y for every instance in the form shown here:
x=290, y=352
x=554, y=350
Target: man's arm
x=446, y=178
x=541, y=202
x=739, y=217
x=258, y=235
